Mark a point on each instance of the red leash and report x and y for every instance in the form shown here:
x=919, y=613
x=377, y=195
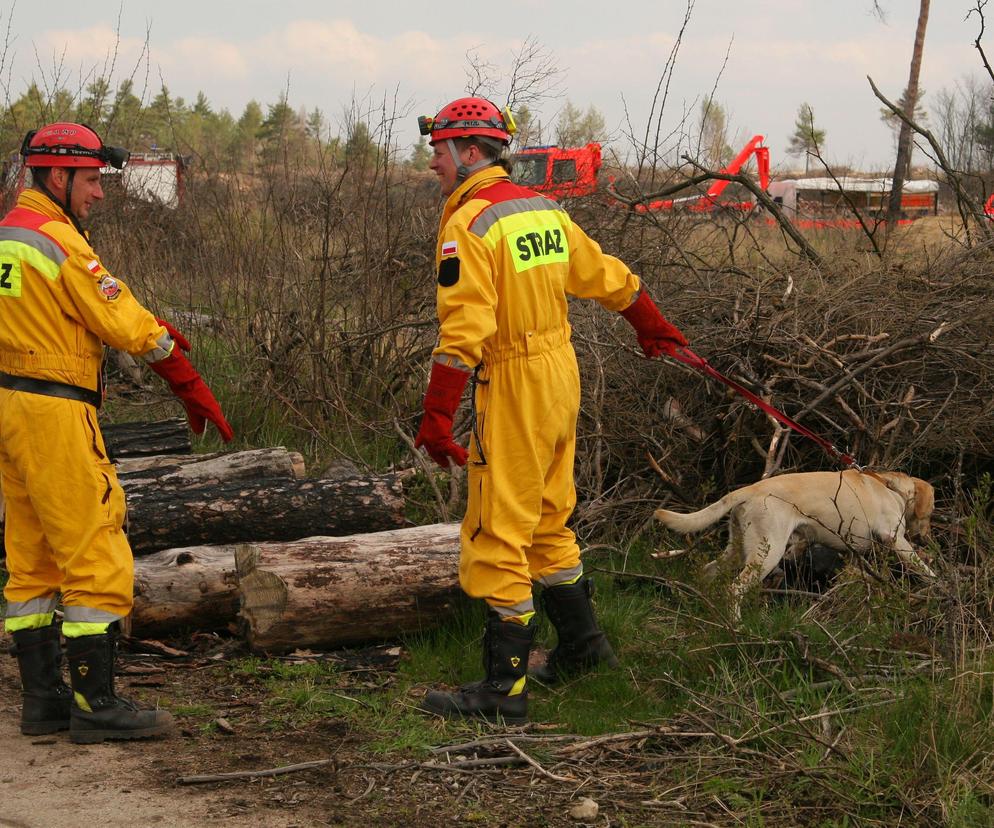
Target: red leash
x=688, y=357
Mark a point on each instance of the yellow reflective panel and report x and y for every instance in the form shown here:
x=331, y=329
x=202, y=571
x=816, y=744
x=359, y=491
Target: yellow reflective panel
x=538, y=246
x=10, y=277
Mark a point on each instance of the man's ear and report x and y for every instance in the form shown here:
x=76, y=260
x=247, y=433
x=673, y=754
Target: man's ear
x=57, y=180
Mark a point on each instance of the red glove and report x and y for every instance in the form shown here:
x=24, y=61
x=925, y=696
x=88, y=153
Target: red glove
x=189, y=386
x=654, y=333
x=441, y=401
x=180, y=340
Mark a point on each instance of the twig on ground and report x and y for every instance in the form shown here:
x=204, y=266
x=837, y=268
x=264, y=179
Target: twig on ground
x=536, y=765
x=228, y=777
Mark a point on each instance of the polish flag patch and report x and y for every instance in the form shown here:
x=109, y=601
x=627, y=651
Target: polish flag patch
x=449, y=248
x=93, y=266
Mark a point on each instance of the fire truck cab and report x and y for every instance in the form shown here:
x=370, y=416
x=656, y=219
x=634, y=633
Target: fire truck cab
x=558, y=172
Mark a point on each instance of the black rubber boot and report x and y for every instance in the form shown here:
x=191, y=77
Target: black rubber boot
x=501, y=696
x=582, y=644
x=98, y=713
x=47, y=699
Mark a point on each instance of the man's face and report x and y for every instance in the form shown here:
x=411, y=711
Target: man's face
x=444, y=166
x=86, y=191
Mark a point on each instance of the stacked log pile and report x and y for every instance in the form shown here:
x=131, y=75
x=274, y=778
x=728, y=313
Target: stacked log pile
x=244, y=541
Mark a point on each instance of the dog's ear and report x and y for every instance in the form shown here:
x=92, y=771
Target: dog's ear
x=898, y=482
x=924, y=499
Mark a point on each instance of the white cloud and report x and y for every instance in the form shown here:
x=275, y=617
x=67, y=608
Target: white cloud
x=320, y=45
x=211, y=58
x=69, y=54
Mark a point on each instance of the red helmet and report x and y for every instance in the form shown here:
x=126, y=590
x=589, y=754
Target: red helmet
x=70, y=145
x=468, y=116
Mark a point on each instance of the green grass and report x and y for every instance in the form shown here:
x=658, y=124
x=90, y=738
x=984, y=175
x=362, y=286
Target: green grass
x=905, y=738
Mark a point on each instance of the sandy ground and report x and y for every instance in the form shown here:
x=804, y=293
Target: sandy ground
x=48, y=782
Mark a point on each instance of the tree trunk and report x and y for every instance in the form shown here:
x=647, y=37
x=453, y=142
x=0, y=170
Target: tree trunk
x=187, y=470
x=195, y=587
x=145, y=439
x=904, y=137
x=260, y=510
x=330, y=592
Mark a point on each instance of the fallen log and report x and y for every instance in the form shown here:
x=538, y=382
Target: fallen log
x=144, y=439
x=185, y=470
x=322, y=592
x=194, y=587
x=262, y=510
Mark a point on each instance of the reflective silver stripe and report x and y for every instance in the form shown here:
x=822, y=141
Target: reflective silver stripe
x=88, y=615
x=502, y=209
x=517, y=609
x=564, y=576
x=36, y=606
x=32, y=238
x=452, y=362
x=163, y=347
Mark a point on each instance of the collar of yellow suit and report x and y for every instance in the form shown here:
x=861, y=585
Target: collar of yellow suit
x=465, y=191
x=40, y=203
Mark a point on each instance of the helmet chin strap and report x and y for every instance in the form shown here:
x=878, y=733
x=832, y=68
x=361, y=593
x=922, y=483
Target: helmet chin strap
x=65, y=206
x=462, y=171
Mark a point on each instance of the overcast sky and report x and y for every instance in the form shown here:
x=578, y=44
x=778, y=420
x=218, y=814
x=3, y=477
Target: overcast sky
x=612, y=55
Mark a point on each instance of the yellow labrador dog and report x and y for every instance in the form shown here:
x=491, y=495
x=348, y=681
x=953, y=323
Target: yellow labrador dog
x=843, y=510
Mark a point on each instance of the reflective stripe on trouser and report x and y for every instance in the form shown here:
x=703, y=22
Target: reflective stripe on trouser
x=32, y=614
x=65, y=511
x=514, y=531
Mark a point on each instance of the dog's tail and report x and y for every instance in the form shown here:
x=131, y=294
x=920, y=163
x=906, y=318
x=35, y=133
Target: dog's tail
x=701, y=519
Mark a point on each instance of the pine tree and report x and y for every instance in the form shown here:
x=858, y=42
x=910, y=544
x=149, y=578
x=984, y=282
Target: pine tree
x=243, y=147
x=360, y=149
x=529, y=130
x=807, y=138
x=713, y=126
x=124, y=123
x=576, y=128
x=420, y=155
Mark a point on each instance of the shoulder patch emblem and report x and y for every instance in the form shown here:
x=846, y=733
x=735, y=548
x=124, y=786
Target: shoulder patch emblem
x=110, y=288
x=448, y=271
x=449, y=248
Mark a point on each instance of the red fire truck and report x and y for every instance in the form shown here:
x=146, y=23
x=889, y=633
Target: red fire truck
x=570, y=172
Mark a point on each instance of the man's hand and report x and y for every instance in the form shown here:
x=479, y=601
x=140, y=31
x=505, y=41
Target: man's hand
x=178, y=338
x=441, y=401
x=654, y=333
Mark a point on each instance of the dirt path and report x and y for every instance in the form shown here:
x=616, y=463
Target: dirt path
x=48, y=782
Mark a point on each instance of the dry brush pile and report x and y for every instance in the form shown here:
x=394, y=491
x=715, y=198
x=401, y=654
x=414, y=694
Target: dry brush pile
x=310, y=302
x=314, y=295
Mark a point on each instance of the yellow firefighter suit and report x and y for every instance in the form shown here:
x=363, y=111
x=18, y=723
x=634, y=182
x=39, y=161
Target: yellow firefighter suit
x=507, y=258
x=65, y=510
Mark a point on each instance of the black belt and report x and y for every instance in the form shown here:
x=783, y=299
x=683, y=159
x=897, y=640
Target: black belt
x=51, y=389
